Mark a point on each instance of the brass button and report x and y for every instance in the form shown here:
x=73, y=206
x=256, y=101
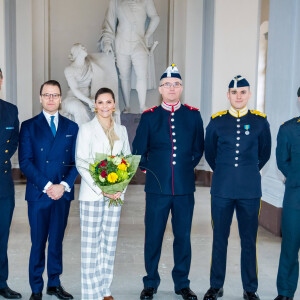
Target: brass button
x=7, y=141
x=5, y=171
x=6, y=151
x=6, y=162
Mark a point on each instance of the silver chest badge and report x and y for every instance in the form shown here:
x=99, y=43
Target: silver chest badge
x=247, y=127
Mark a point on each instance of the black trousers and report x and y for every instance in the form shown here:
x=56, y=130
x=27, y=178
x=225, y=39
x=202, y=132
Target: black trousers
x=247, y=213
x=157, y=212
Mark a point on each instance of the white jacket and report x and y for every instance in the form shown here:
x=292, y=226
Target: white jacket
x=91, y=139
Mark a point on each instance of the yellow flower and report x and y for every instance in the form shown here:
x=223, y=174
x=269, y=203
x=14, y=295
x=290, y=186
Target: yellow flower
x=112, y=177
x=122, y=167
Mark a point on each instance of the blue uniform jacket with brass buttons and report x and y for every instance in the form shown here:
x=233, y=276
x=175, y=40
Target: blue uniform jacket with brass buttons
x=44, y=158
x=288, y=160
x=9, y=136
x=171, y=145
x=236, y=148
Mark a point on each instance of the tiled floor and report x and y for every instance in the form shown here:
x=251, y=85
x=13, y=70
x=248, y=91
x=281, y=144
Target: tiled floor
x=129, y=264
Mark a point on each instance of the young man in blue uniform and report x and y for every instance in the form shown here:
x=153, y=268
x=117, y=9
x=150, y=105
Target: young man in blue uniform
x=288, y=161
x=47, y=159
x=237, y=146
x=9, y=136
x=170, y=140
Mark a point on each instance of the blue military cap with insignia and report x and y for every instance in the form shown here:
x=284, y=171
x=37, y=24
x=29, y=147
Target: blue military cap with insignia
x=171, y=71
x=238, y=81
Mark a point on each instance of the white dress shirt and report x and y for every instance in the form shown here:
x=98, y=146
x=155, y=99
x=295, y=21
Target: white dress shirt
x=48, y=118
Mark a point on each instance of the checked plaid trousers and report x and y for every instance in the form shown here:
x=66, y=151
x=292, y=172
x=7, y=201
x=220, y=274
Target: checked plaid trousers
x=99, y=232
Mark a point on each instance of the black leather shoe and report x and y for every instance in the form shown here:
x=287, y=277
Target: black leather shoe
x=147, y=293
x=213, y=294
x=279, y=297
x=187, y=294
x=59, y=292
x=36, y=296
x=9, y=294
x=251, y=296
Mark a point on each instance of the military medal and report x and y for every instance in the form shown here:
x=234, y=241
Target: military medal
x=247, y=127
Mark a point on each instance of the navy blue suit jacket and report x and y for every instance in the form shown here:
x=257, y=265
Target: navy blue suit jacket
x=171, y=146
x=236, y=156
x=44, y=158
x=9, y=136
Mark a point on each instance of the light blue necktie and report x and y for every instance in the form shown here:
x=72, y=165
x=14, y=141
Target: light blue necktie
x=52, y=126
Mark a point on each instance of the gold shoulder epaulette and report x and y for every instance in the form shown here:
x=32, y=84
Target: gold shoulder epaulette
x=258, y=113
x=219, y=114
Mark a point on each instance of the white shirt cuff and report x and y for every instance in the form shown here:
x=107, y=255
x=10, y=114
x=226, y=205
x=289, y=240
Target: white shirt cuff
x=67, y=187
x=47, y=186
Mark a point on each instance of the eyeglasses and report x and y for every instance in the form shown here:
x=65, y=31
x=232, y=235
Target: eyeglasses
x=48, y=96
x=168, y=85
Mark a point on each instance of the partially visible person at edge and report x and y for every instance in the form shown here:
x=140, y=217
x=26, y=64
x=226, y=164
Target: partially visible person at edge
x=170, y=140
x=9, y=137
x=99, y=222
x=288, y=160
x=47, y=159
x=237, y=146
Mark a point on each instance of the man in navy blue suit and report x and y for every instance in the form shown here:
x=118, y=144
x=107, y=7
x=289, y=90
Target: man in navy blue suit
x=9, y=134
x=47, y=158
x=237, y=146
x=170, y=140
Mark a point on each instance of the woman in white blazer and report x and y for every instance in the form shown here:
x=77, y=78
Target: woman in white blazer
x=99, y=223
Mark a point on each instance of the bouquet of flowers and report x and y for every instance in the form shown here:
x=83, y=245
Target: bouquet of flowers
x=112, y=174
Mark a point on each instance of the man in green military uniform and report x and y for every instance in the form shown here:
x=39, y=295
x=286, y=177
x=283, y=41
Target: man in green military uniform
x=288, y=161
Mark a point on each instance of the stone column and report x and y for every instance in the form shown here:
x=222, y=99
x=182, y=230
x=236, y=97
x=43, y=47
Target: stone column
x=185, y=46
x=235, y=51
x=2, y=47
x=229, y=47
x=24, y=58
x=282, y=82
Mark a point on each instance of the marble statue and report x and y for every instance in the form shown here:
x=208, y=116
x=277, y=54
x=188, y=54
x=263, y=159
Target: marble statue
x=85, y=75
x=262, y=63
x=127, y=32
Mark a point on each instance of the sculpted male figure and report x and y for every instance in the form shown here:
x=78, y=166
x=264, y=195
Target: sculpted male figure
x=47, y=159
x=9, y=135
x=124, y=33
x=237, y=146
x=170, y=140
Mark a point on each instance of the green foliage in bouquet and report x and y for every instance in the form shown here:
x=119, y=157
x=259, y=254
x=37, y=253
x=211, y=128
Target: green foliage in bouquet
x=112, y=174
